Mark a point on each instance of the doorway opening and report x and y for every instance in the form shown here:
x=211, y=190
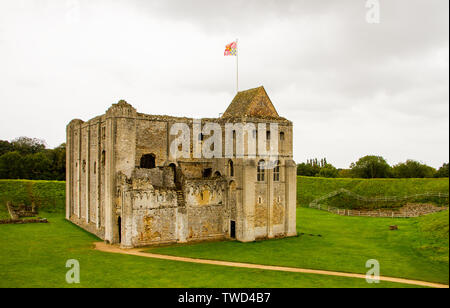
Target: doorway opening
x=174, y=170
x=148, y=161
x=119, y=223
x=232, y=229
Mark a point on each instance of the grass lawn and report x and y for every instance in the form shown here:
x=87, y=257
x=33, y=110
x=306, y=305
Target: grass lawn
x=418, y=250
x=34, y=255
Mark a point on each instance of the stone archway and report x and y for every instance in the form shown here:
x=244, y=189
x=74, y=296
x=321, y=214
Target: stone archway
x=148, y=161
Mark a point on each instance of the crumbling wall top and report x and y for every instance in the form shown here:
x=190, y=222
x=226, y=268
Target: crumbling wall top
x=121, y=109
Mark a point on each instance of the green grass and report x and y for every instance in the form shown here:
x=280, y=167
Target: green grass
x=418, y=250
x=35, y=255
x=435, y=237
x=311, y=188
x=49, y=196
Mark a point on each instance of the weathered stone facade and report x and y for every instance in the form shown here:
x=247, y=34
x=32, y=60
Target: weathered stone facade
x=124, y=185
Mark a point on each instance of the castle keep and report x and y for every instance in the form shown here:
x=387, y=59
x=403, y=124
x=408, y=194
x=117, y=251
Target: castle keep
x=124, y=184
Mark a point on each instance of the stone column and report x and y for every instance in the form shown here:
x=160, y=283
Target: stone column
x=182, y=224
x=109, y=180
x=269, y=196
x=69, y=171
x=87, y=189
x=245, y=229
x=79, y=170
x=99, y=174
x=127, y=220
x=291, y=198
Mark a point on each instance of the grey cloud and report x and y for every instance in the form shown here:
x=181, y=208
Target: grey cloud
x=351, y=88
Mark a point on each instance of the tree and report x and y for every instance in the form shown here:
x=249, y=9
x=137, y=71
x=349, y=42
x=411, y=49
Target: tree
x=27, y=158
x=305, y=169
x=370, y=167
x=328, y=171
x=37, y=166
x=5, y=147
x=26, y=145
x=442, y=172
x=313, y=167
x=345, y=173
x=11, y=166
x=58, y=158
x=412, y=169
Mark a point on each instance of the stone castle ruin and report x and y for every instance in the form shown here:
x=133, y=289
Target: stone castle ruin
x=125, y=185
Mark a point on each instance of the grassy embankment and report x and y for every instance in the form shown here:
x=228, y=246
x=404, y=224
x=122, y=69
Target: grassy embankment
x=311, y=188
x=50, y=196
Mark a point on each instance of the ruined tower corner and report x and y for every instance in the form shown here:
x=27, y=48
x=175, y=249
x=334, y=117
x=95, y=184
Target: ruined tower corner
x=122, y=108
x=75, y=122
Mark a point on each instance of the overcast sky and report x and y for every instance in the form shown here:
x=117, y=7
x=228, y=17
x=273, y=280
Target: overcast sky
x=350, y=87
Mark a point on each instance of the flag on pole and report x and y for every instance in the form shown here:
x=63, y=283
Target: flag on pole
x=231, y=49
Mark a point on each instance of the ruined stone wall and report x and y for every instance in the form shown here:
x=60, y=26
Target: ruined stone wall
x=124, y=145
x=102, y=175
x=261, y=210
x=279, y=209
x=270, y=205
x=84, y=189
x=84, y=175
x=156, y=217
x=194, y=170
x=94, y=146
x=152, y=138
x=205, y=202
x=153, y=216
x=159, y=177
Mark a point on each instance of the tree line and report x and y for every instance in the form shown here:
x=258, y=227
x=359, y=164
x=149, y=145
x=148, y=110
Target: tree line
x=28, y=158
x=370, y=167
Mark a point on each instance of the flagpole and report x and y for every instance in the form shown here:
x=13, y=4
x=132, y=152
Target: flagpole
x=237, y=66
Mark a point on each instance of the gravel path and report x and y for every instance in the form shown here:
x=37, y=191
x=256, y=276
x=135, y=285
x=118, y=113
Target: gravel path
x=138, y=252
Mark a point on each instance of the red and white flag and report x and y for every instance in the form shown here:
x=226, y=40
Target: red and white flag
x=231, y=49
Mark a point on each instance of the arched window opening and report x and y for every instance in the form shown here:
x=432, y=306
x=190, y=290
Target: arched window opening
x=282, y=136
x=217, y=174
x=147, y=161
x=103, y=158
x=276, y=171
x=261, y=171
x=174, y=170
x=231, y=167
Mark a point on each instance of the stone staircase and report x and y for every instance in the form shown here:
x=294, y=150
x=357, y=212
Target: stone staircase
x=180, y=198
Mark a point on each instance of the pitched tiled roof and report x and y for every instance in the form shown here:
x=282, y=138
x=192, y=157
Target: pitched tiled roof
x=251, y=103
